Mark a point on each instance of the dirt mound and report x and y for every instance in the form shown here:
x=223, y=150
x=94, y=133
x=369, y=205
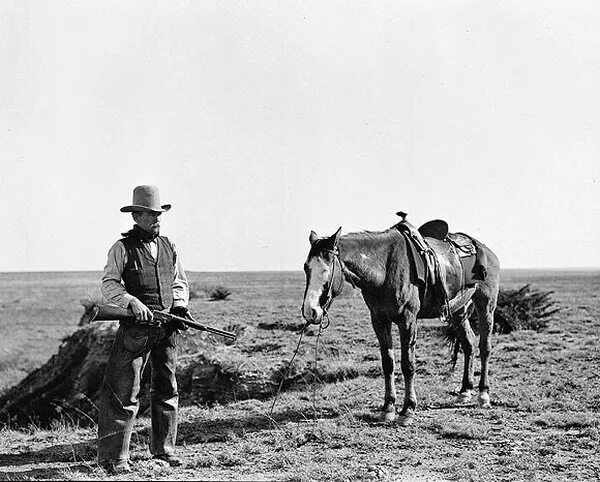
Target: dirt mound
x=67, y=386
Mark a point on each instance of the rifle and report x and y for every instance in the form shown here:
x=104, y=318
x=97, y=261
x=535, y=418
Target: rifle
x=114, y=312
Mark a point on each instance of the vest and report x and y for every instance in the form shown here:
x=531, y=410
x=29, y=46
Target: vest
x=149, y=280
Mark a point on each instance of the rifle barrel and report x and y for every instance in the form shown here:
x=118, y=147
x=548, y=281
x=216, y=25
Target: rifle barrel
x=161, y=315
x=112, y=312
x=216, y=331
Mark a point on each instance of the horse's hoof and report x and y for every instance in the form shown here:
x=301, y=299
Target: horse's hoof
x=463, y=398
x=406, y=419
x=387, y=417
x=484, y=400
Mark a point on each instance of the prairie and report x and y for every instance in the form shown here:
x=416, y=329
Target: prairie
x=544, y=424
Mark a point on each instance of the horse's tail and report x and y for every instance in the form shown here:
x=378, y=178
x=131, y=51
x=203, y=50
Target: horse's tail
x=460, y=312
x=450, y=336
x=455, y=351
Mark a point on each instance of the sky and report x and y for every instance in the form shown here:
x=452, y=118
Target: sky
x=260, y=121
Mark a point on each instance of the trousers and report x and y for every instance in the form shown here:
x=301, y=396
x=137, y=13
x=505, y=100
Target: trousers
x=133, y=347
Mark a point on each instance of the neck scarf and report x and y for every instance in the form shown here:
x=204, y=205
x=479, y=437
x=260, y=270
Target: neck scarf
x=139, y=233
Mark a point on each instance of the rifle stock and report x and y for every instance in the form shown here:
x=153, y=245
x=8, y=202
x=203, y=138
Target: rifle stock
x=114, y=312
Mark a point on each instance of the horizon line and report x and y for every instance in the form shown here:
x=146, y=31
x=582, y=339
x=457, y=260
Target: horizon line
x=561, y=268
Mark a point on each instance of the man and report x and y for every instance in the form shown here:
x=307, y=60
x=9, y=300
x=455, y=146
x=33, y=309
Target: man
x=143, y=272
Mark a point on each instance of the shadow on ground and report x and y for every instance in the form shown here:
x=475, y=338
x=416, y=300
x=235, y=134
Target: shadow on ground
x=44, y=474
x=79, y=452
x=221, y=430
x=194, y=431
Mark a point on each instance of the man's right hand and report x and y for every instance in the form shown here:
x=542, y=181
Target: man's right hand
x=141, y=311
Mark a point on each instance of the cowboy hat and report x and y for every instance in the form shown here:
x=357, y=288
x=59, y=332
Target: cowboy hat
x=146, y=198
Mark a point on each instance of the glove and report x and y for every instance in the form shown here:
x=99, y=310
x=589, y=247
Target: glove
x=182, y=312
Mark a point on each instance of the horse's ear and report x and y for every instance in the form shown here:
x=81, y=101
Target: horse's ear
x=313, y=237
x=334, y=239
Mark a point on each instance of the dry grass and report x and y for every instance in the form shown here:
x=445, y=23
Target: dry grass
x=544, y=424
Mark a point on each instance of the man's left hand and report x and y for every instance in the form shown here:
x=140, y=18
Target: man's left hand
x=181, y=312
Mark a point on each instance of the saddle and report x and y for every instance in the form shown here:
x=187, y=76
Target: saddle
x=426, y=245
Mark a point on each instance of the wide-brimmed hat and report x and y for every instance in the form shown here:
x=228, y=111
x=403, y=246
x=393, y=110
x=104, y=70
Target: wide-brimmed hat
x=146, y=198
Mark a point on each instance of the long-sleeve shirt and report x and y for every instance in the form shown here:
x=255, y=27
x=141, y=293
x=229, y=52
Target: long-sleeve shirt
x=113, y=289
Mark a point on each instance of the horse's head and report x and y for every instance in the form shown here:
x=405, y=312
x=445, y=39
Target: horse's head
x=324, y=277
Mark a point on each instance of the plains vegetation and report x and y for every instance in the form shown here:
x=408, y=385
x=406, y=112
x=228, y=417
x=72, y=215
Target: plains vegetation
x=544, y=423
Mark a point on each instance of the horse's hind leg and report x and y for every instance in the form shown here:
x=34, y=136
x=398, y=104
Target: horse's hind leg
x=485, y=306
x=383, y=329
x=460, y=320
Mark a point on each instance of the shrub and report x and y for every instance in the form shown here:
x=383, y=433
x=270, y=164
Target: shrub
x=219, y=292
x=522, y=308
x=212, y=292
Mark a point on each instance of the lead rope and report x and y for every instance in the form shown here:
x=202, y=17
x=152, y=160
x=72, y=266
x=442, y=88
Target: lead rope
x=312, y=436
x=286, y=371
x=322, y=328
x=314, y=398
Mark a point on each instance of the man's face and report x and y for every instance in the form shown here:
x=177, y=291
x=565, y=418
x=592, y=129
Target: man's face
x=148, y=221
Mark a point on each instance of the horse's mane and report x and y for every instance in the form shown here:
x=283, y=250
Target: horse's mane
x=365, y=235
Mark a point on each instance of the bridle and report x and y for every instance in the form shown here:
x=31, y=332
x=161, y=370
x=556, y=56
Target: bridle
x=327, y=298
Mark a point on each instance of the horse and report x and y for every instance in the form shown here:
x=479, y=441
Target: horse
x=379, y=264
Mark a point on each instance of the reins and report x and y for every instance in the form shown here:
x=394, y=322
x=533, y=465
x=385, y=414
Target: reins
x=314, y=400
x=322, y=327
x=287, y=369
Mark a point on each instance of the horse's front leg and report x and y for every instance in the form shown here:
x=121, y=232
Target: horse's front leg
x=383, y=329
x=408, y=339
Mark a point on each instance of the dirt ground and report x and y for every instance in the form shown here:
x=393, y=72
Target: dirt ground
x=544, y=423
